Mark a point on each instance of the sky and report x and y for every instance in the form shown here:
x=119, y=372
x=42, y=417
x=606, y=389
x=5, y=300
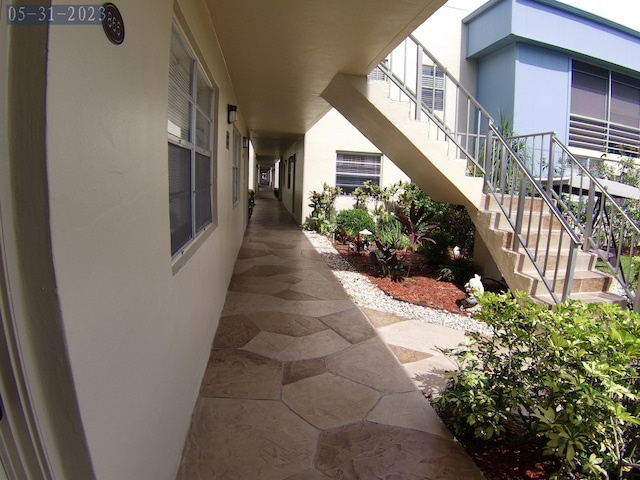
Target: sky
x=624, y=12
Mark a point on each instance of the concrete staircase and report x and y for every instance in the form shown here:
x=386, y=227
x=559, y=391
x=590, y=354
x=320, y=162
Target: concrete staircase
x=587, y=284
x=417, y=148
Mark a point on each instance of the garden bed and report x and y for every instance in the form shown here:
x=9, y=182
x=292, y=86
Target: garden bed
x=422, y=287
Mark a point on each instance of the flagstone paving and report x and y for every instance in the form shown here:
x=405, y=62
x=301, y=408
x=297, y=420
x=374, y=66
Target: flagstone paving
x=301, y=385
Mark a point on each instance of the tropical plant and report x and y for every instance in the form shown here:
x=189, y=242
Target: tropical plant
x=384, y=199
x=569, y=376
x=322, y=215
x=252, y=201
x=387, y=258
x=458, y=271
x=416, y=227
x=454, y=225
x=390, y=241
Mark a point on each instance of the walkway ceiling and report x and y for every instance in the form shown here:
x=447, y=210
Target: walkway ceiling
x=281, y=55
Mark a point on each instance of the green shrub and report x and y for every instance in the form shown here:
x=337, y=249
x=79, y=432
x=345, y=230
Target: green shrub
x=437, y=251
x=390, y=239
x=390, y=234
x=322, y=219
x=455, y=226
x=458, y=271
x=569, y=376
x=351, y=222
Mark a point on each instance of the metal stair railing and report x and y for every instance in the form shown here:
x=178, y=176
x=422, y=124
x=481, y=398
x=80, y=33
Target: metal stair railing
x=467, y=127
x=595, y=213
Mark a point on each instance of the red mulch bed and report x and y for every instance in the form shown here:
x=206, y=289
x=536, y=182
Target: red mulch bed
x=421, y=287
x=512, y=458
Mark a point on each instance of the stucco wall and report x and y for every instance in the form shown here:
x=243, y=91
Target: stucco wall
x=138, y=330
x=496, y=84
x=542, y=91
x=329, y=135
x=292, y=181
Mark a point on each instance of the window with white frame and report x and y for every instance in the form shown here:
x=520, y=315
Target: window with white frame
x=191, y=163
x=605, y=110
x=433, y=87
x=353, y=169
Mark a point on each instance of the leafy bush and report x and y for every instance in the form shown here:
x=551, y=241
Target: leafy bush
x=384, y=199
x=389, y=233
x=455, y=227
x=437, y=251
x=569, y=376
x=390, y=240
x=321, y=219
x=351, y=222
x=416, y=226
x=458, y=271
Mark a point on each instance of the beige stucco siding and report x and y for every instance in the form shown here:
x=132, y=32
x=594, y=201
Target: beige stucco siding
x=138, y=330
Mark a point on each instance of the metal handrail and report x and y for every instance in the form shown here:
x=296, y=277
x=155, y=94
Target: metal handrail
x=507, y=179
x=595, y=214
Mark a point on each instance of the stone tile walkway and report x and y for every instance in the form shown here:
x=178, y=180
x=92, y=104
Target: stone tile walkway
x=300, y=385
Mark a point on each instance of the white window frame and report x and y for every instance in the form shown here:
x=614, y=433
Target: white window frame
x=350, y=161
x=199, y=148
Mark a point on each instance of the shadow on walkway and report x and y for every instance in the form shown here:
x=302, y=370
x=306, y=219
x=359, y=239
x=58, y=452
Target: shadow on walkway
x=299, y=385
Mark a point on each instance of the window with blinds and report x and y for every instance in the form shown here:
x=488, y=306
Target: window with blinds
x=605, y=110
x=189, y=129
x=433, y=87
x=353, y=169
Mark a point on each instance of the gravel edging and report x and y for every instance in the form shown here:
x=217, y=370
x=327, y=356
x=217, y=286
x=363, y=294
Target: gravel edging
x=365, y=294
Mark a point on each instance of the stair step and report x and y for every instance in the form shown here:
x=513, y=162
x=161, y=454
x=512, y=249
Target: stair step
x=588, y=297
x=531, y=221
x=591, y=281
x=489, y=202
x=560, y=260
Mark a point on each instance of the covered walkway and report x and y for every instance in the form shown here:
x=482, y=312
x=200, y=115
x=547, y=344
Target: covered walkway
x=299, y=384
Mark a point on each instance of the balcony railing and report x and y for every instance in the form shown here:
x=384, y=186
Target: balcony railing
x=602, y=136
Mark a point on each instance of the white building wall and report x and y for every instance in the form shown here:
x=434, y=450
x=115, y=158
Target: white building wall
x=444, y=35
x=138, y=327
x=331, y=134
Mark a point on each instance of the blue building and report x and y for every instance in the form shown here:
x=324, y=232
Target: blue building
x=546, y=66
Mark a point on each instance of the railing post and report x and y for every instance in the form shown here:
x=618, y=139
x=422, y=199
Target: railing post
x=522, y=191
x=418, y=113
x=571, y=266
x=591, y=206
x=504, y=163
x=488, y=174
x=551, y=167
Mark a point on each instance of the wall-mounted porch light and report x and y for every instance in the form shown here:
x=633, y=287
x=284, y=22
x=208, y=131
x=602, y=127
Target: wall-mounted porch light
x=245, y=142
x=232, y=113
